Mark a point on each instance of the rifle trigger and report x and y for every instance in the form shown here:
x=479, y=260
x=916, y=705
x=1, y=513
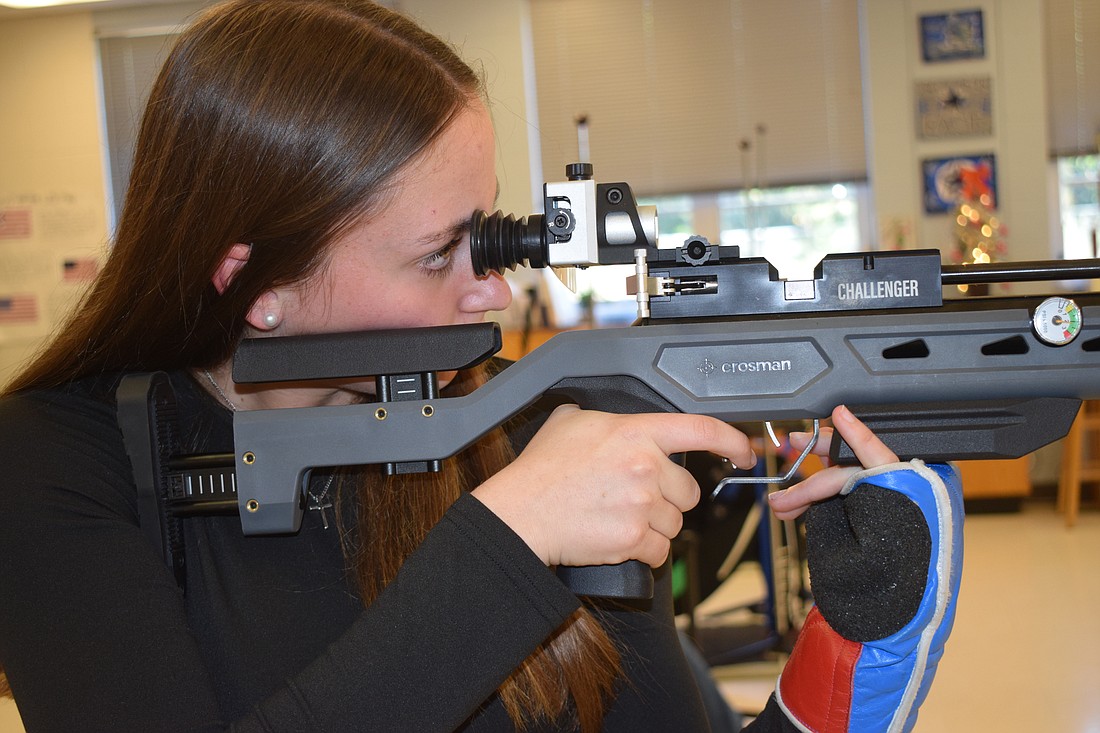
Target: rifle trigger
x=771, y=434
x=772, y=479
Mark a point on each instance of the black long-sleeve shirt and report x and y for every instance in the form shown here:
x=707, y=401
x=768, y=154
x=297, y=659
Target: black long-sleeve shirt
x=95, y=634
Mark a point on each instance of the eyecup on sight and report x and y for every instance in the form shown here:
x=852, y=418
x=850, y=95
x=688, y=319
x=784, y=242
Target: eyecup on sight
x=499, y=242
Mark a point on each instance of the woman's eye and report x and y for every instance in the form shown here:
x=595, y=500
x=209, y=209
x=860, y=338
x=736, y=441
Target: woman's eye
x=440, y=261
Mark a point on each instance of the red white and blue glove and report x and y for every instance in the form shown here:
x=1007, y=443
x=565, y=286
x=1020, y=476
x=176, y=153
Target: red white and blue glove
x=885, y=558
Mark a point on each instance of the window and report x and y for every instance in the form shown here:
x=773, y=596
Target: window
x=688, y=95
x=792, y=227
x=128, y=65
x=1079, y=197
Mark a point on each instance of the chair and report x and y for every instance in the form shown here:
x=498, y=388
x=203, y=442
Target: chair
x=1080, y=460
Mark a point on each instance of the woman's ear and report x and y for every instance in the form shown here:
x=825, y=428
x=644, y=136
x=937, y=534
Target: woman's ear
x=234, y=260
x=266, y=313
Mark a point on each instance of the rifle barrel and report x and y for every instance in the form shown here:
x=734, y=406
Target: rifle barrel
x=1006, y=272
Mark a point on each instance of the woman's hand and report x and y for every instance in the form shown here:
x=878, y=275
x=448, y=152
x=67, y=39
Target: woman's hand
x=871, y=452
x=595, y=488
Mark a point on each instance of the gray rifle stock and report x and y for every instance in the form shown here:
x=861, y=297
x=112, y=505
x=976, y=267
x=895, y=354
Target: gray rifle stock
x=951, y=383
x=969, y=379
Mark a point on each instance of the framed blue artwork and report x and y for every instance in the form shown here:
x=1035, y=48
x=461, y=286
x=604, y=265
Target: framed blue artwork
x=952, y=36
x=949, y=182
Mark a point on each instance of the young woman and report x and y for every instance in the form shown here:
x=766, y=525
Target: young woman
x=310, y=166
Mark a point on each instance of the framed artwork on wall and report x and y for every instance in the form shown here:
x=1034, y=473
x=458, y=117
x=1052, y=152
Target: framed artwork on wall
x=956, y=108
x=949, y=182
x=952, y=36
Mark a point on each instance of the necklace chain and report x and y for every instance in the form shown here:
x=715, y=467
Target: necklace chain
x=217, y=388
x=318, y=502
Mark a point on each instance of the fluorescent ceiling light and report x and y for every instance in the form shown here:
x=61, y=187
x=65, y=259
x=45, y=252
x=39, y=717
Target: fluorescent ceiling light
x=21, y=4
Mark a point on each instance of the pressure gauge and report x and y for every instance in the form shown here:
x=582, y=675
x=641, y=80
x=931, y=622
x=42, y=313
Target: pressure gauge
x=1057, y=321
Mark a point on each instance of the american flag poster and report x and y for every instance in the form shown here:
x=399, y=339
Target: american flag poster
x=79, y=269
x=19, y=308
x=15, y=223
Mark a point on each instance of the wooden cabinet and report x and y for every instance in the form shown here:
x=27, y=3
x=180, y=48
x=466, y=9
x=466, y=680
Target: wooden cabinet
x=1007, y=479
x=513, y=347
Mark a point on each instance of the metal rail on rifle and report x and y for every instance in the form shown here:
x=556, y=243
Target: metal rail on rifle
x=940, y=380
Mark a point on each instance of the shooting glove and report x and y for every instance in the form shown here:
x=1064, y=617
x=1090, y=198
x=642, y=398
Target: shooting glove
x=885, y=558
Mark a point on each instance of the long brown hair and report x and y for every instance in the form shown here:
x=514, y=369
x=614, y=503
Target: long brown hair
x=579, y=662
x=281, y=123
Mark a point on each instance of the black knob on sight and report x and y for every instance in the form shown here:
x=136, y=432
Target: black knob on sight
x=578, y=171
x=499, y=242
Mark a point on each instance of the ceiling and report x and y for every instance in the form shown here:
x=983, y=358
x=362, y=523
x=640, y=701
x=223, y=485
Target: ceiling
x=13, y=13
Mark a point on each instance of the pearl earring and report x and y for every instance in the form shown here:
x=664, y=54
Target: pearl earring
x=271, y=320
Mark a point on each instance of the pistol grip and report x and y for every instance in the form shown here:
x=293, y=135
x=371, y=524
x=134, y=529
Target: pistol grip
x=630, y=579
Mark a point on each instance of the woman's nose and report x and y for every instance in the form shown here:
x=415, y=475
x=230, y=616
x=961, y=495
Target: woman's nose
x=488, y=293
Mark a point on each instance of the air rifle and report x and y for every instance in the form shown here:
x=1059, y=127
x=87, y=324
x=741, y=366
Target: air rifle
x=717, y=334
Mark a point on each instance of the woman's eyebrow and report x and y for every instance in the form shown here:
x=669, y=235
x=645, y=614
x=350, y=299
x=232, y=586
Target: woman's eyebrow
x=456, y=230
x=451, y=233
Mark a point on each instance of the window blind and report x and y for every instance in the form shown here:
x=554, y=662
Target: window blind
x=128, y=66
x=698, y=95
x=1073, y=75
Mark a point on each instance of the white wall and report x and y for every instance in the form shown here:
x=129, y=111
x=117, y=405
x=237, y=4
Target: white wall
x=50, y=166
x=1014, y=63
x=491, y=38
